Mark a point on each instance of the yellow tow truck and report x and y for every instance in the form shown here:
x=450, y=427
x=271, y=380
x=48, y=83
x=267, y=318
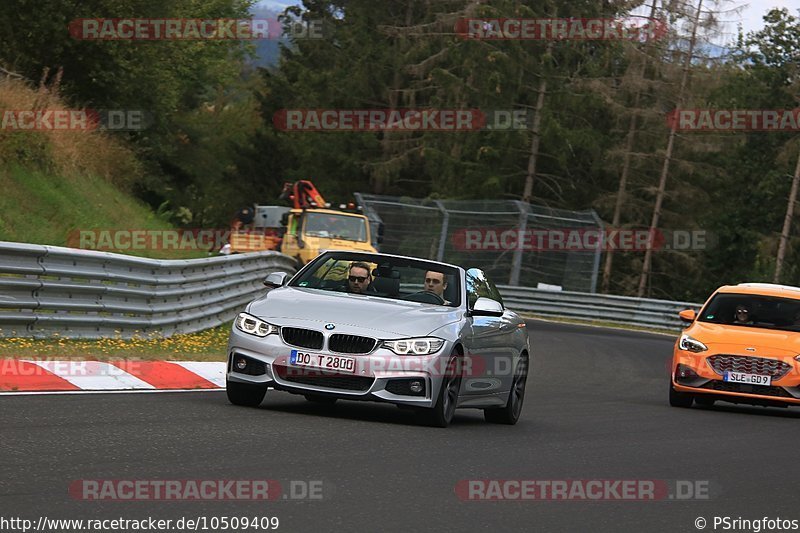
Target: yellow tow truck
x=303, y=231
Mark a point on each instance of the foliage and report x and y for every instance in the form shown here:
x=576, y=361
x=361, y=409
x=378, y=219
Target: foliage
x=213, y=146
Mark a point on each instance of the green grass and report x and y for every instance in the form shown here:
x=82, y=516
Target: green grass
x=43, y=209
x=208, y=345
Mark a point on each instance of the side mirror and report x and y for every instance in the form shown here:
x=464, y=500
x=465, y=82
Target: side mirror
x=486, y=307
x=687, y=315
x=276, y=279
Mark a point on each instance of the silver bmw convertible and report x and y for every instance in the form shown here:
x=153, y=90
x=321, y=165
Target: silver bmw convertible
x=363, y=326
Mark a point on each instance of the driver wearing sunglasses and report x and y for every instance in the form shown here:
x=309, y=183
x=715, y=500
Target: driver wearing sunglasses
x=358, y=278
x=742, y=315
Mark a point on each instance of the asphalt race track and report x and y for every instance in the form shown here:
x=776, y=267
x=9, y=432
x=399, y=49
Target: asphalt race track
x=596, y=409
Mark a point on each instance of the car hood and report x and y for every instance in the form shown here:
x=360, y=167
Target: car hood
x=741, y=337
x=312, y=308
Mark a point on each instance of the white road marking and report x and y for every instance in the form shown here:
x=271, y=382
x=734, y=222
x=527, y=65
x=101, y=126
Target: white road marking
x=93, y=375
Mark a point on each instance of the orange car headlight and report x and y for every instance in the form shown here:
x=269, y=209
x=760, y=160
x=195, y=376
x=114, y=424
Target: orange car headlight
x=689, y=344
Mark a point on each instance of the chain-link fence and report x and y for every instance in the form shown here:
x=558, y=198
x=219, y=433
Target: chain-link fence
x=513, y=242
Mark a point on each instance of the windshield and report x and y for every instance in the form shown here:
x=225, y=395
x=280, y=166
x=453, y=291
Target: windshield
x=750, y=310
x=385, y=277
x=336, y=226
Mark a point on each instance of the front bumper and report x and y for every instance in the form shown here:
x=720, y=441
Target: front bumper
x=784, y=390
x=379, y=376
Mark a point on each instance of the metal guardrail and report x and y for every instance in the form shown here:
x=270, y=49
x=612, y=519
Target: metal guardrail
x=46, y=290
x=626, y=310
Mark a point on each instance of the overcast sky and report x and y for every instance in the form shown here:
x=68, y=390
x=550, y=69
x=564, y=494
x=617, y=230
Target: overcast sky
x=750, y=16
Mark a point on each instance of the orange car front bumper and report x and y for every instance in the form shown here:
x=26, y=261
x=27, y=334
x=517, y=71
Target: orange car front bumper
x=707, y=377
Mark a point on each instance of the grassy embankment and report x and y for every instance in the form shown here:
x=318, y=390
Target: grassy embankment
x=56, y=183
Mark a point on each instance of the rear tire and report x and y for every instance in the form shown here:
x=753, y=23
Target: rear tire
x=510, y=413
x=679, y=399
x=245, y=394
x=441, y=414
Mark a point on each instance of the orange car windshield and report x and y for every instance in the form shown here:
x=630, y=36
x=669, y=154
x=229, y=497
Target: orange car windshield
x=751, y=310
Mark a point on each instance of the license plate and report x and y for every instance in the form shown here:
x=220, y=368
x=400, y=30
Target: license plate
x=336, y=363
x=750, y=379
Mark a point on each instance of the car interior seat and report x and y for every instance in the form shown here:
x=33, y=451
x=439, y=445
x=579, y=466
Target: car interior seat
x=386, y=281
x=450, y=293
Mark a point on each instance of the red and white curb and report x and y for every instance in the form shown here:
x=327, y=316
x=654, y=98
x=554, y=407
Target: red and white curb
x=20, y=376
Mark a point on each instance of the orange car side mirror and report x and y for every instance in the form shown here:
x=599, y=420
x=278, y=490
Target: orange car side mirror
x=688, y=315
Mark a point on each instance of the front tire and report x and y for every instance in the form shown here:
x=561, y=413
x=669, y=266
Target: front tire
x=679, y=399
x=441, y=414
x=510, y=413
x=245, y=394
x=704, y=401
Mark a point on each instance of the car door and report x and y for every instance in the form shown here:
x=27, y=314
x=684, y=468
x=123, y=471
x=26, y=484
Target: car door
x=485, y=364
x=290, y=245
x=508, y=341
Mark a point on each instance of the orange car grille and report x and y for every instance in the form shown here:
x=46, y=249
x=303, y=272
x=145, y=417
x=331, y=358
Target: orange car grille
x=746, y=389
x=749, y=365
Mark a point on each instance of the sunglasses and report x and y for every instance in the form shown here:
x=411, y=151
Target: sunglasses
x=740, y=311
x=360, y=279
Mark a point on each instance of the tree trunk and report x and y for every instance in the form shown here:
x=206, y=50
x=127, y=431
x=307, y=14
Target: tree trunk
x=623, y=184
x=787, y=223
x=380, y=181
x=537, y=121
x=626, y=164
x=662, y=183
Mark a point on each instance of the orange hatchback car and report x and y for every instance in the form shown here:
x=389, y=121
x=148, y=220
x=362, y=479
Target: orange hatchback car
x=742, y=347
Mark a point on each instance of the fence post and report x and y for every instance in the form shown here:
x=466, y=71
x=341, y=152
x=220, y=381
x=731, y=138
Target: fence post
x=373, y=218
x=516, y=262
x=599, y=251
x=443, y=234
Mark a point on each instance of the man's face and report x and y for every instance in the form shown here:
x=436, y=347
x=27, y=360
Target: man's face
x=742, y=314
x=358, y=279
x=435, y=283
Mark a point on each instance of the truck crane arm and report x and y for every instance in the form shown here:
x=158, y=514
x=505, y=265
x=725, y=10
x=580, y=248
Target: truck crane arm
x=302, y=194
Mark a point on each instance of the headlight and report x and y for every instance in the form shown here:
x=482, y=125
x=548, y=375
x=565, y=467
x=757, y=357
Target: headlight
x=254, y=326
x=688, y=344
x=418, y=346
